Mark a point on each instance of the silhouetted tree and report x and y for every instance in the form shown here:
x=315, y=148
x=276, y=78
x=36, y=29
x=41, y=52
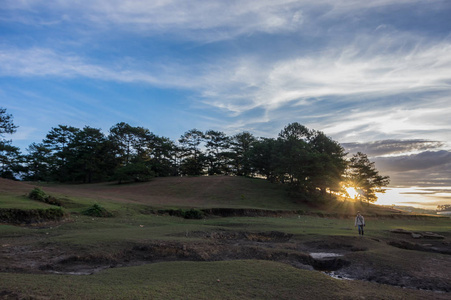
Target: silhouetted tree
x=263, y=160
x=6, y=123
x=217, y=146
x=10, y=160
x=241, y=153
x=193, y=160
x=294, y=159
x=10, y=156
x=133, y=150
x=329, y=163
x=57, y=141
x=91, y=156
x=130, y=142
x=38, y=163
x=308, y=160
x=364, y=177
x=163, y=156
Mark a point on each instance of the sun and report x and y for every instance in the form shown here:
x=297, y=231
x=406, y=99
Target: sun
x=352, y=192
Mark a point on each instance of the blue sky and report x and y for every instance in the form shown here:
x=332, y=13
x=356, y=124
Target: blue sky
x=373, y=75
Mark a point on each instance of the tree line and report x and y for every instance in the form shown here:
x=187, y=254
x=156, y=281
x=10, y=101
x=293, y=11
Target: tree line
x=308, y=161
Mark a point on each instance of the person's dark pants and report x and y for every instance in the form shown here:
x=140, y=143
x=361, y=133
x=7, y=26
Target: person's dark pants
x=360, y=229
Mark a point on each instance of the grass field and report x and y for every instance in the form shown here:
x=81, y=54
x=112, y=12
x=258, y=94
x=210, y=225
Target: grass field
x=138, y=254
x=203, y=280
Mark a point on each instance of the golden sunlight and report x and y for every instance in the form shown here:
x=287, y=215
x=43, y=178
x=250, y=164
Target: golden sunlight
x=352, y=192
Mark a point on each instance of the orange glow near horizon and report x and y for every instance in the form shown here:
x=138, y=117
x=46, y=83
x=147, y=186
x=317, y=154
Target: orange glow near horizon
x=421, y=197
x=351, y=192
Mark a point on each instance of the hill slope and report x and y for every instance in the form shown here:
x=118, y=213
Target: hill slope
x=186, y=192
x=205, y=192
x=10, y=187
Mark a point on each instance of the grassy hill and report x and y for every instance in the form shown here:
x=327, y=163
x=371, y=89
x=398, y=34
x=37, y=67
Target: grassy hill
x=141, y=253
x=211, y=191
x=181, y=192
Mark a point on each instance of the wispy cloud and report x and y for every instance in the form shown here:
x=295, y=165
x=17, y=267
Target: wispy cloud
x=368, y=67
x=43, y=62
x=393, y=147
x=428, y=168
x=197, y=19
x=361, y=77
x=422, y=161
x=363, y=84
x=410, y=162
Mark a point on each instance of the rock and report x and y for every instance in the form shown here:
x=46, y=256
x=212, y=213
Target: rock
x=399, y=230
x=416, y=235
x=431, y=235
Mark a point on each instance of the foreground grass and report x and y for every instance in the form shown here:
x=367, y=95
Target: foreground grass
x=21, y=202
x=94, y=233
x=199, y=280
x=240, y=279
x=132, y=224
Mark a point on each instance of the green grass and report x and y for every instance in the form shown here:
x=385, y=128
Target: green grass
x=136, y=227
x=21, y=202
x=186, y=192
x=132, y=224
x=194, y=280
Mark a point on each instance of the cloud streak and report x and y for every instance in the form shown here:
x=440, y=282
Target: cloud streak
x=392, y=147
x=358, y=78
x=341, y=72
x=201, y=20
x=410, y=162
x=195, y=20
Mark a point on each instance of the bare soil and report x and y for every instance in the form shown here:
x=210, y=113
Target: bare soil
x=351, y=257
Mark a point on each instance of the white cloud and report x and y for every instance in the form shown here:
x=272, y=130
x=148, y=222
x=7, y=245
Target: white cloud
x=198, y=20
x=391, y=148
x=43, y=62
x=358, y=72
x=243, y=83
x=345, y=71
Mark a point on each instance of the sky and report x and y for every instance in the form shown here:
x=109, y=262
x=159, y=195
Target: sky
x=373, y=75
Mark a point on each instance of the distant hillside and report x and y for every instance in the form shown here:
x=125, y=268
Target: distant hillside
x=8, y=186
x=188, y=192
x=203, y=191
x=416, y=210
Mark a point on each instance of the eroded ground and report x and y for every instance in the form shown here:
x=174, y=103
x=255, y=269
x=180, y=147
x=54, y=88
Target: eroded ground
x=399, y=259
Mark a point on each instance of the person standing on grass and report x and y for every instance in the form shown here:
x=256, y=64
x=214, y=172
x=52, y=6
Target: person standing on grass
x=360, y=222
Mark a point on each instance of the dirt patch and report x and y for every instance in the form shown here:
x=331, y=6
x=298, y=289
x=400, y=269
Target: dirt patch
x=443, y=248
x=31, y=216
x=8, y=295
x=408, y=267
x=273, y=236
x=353, y=256
x=175, y=251
x=209, y=246
x=420, y=241
x=234, y=212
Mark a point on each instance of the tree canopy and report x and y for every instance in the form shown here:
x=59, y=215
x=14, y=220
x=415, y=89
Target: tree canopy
x=10, y=158
x=306, y=160
x=364, y=177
